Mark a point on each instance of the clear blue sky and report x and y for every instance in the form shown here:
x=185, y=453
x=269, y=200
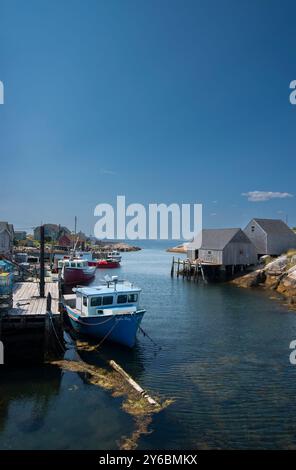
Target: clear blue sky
x=159, y=100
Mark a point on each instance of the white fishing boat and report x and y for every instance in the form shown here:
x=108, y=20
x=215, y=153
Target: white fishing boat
x=109, y=311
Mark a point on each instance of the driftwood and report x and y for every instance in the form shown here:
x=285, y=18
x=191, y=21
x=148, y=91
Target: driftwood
x=133, y=383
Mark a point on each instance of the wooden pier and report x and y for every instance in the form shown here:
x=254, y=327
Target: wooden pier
x=199, y=270
x=34, y=323
x=190, y=270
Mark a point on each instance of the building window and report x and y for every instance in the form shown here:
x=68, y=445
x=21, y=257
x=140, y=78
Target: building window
x=253, y=228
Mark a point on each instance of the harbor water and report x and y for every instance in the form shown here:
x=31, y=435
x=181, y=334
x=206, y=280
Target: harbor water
x=224, y=361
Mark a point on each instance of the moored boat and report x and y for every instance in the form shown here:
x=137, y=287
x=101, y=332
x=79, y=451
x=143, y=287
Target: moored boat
x=109, y=311
x=108, y=263
x=115, y=255
x=76, y=271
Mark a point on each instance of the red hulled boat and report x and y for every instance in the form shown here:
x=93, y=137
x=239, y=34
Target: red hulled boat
x=77, y=271
x=107, y=263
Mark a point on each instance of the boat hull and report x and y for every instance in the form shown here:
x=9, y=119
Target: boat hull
x=78, y=276
x=103, y=264
x=121, y=329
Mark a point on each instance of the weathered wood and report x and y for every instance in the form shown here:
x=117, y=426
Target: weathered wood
x=172, y=268
x=42, y=270
x=178, y=268
x=26, y=300
x=133, y=383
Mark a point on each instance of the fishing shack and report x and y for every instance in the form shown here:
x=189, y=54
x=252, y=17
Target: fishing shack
x=227, y=249
x=270, y=236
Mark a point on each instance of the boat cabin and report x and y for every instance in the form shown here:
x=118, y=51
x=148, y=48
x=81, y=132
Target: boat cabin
x=72, y=263
x=91, y=301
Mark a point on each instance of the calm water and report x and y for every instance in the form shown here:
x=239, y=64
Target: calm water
x=224, y=360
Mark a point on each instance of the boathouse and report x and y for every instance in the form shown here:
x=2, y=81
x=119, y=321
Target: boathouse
x=222, y=247
x=270, y=236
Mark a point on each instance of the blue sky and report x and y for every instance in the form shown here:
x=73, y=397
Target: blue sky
x=161, y=101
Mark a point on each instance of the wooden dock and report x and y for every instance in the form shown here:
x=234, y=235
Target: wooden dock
x=203, y=270
x=33, y=323
x=26, y=300
x=187, y=269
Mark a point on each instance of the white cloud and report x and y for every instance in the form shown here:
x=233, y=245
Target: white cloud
x=261, y=196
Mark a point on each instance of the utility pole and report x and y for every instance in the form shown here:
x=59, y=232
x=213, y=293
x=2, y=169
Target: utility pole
x=75, y=225
x=41, y=284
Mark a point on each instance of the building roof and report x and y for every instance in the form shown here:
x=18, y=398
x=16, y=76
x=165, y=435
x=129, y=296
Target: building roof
x=276, y=226
x=215, y=238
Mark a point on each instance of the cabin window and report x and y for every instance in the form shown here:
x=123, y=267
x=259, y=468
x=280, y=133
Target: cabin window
x=100, y=312
x=133, y=297
x=73, y=265
x=209, y=252
x=96, y=301
x=85, y=301
x=122, y=299
x=108, y=300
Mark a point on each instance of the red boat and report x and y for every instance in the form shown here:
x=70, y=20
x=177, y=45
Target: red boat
x=77, y=271
x=107, y=263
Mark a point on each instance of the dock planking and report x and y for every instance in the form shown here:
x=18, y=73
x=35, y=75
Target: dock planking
x=26, y=300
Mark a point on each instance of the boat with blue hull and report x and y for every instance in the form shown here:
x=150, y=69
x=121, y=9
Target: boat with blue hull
x=109, y=311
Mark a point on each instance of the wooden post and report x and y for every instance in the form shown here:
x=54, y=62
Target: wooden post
x=48, y=302
x=178, y=267
x=41, y=284
x=47, y=345
x=189, y=270
x=172, y=268
x=195, y=273
x=183, y=271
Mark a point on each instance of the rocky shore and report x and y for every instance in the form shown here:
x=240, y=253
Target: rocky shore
x=278, y=275
x=178, y=249
x=119, y=247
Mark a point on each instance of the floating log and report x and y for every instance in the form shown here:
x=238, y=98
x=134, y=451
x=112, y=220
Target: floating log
x=133, y=383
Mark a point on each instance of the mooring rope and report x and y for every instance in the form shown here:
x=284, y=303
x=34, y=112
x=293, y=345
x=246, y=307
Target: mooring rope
x=56, y=335
x=91, y=324
x=106, y=336
x=149, y=337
